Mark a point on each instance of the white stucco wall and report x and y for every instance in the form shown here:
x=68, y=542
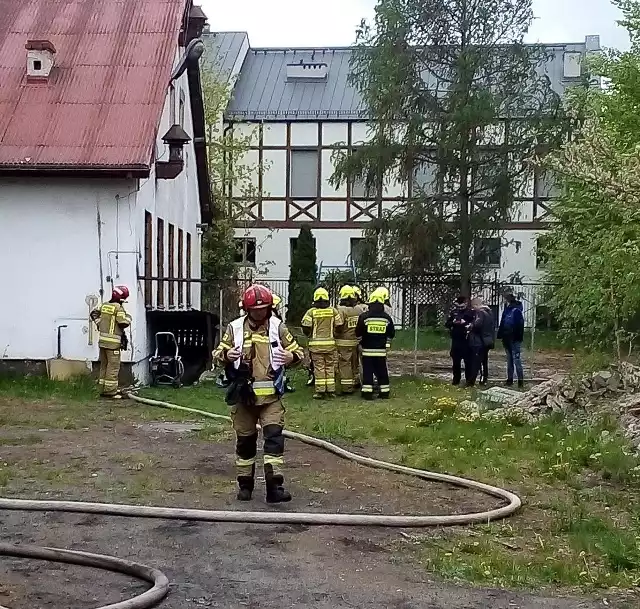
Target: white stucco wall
x=53, y=256
x=51, y=260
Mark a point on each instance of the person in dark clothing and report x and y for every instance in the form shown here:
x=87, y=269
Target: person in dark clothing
x=485, y=329
x=374, y=329
x=511, y=332
x=459, y=323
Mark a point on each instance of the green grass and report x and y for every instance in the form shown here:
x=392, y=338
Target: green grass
x=579, y=528
x=436, y=339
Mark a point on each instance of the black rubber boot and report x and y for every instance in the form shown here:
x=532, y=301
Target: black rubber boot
x=276, y=493
x=245, y=488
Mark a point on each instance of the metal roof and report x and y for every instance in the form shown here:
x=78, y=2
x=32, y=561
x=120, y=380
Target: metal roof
x=262, y=91
x=223, y=51
x=102, y=103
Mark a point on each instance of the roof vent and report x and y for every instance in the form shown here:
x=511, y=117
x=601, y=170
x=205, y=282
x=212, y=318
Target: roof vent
x=40, y=59
x=307, y=71
x=592, y=43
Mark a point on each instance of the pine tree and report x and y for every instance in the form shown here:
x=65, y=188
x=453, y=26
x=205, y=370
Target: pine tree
x=459, y=105
x=302, y=278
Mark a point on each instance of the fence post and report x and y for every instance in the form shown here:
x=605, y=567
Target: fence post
x=415, y=340
x=533, y=332
x=220, y=312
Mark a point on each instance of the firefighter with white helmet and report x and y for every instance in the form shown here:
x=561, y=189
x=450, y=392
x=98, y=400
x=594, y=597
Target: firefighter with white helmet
x=319, y=324
x=256, y=349
x=346, y=341
x=112, y=321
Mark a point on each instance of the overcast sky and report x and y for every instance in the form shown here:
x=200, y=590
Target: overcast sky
x=291, y=23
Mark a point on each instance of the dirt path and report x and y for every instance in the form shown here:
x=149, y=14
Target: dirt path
x=230, y=566
x=437, y=364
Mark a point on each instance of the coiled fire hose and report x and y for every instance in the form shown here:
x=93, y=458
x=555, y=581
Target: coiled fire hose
x=160, y=582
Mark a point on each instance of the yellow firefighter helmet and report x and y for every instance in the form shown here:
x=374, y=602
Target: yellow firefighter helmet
x=346, y=291
x=377, y=296
x=320, y=294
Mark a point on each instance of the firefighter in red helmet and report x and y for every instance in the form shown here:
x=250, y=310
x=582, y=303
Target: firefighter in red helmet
x=112, y=321
x=256, y=348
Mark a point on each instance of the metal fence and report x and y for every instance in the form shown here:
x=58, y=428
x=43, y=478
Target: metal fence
x=421, y=304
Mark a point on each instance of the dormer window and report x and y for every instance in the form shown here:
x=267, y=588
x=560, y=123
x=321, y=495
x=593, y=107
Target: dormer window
x=40, y=59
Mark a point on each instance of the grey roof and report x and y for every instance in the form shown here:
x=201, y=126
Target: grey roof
x=262, y=91
x=222, y=50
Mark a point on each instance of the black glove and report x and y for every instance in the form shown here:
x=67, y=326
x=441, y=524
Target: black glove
x=124, y=342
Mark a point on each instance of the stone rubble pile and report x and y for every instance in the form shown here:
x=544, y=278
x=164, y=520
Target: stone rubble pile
x=615, y=391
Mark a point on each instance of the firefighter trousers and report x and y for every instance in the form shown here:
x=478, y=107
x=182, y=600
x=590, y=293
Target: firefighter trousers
x=348, y=367
x=271, y=419
x=109, y=371
x=375, y=366
x=324, y=369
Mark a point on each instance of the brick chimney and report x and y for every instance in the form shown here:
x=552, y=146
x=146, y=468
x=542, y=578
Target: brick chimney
x=40, y=60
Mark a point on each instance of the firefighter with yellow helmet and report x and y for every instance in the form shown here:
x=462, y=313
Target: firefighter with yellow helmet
x=319, y=324
x=346, y=341
x=387, y=306
x=112, y=321
x=375, y=328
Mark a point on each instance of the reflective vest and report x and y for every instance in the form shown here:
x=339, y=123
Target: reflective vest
x=346, y=335
x=260, y=387
x=322, y=323
x=112, y=319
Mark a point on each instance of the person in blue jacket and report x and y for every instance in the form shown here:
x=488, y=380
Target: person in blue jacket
x=511, y=332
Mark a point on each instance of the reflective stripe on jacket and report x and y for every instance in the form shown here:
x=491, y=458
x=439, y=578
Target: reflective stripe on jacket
x=375, y=328
x=346, y=334
x=112, y=320
x=323, y=323
x=257, y=351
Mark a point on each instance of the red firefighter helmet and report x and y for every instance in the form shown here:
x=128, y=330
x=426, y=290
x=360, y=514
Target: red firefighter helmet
x=120, y=292
x=257, y=297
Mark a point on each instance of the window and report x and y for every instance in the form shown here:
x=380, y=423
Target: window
x=148, y=259
x=172, y=265
x=545, y=186
x=188, y=261
x=358, y=251
x=293, y=242
x=542, y=256
x=181, y=109
x=180, y=267
x=425, y=179
x=160, y=259
x=304, y=173
x=172, y=105
x=37, y=65
x=245, y=250
x=486, y=251
x=358, y=188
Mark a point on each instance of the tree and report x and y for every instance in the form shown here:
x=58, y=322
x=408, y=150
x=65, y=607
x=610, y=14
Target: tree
x=458, y=106
x=594, y=245
x=231, y=178
x=302, y=278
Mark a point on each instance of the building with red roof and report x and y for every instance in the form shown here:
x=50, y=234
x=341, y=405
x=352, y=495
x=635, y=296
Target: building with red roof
x=103, y=170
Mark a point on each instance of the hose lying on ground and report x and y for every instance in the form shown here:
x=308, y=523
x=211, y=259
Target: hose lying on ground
x=137, y=511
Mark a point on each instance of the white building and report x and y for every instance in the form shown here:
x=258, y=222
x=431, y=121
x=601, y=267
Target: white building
x=91, y=195
x=301, y=107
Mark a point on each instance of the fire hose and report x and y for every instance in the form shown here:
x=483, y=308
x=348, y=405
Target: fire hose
x=160, y=582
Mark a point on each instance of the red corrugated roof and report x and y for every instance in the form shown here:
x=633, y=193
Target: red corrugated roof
x=102, y=103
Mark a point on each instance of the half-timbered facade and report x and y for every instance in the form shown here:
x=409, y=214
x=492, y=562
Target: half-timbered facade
x=301, y=109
